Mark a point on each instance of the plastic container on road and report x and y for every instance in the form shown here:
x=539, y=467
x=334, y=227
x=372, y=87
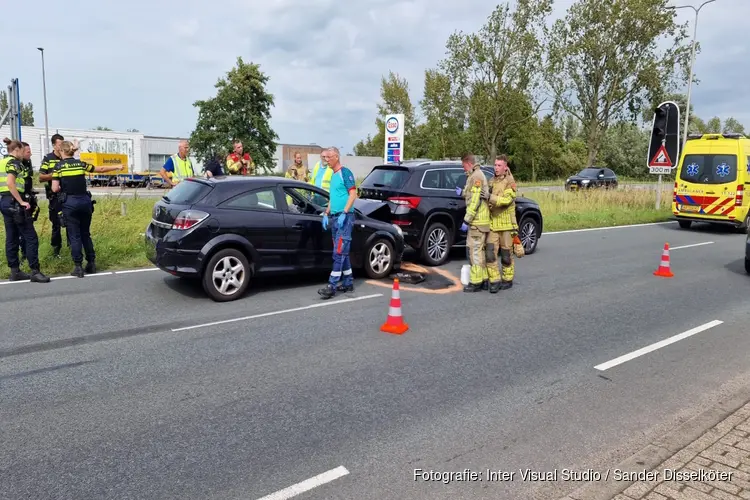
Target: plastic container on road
x=465, y=269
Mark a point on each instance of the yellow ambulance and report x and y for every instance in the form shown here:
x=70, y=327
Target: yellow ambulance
x=712, y=174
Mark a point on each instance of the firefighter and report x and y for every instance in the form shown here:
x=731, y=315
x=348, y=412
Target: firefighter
x=239, y=162
x=502, y=208
x=297, y=170
x=16, y=210
x=476, y=222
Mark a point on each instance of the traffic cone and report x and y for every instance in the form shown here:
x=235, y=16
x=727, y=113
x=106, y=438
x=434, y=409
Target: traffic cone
x=664, y=270
x=395, y=322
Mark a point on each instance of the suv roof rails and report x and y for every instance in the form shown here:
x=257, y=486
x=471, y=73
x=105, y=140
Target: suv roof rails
x=716, y=136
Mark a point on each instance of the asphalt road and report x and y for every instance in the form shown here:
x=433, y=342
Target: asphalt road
x=136, y=386
x=158, y=193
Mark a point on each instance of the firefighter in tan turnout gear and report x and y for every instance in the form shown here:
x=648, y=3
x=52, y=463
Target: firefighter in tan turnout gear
x=476, y=222
x=503, y=226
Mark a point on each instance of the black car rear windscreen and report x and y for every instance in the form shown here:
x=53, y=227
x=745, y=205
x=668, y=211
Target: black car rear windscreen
x=188, y=193
x=392, y=178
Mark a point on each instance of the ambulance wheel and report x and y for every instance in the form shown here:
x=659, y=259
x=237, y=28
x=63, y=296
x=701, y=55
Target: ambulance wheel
x=685, y=224
x=744, y=228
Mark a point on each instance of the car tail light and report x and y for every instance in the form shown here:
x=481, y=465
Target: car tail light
x=410, y=201
x=739, y=195
x=401, y=222
x=188, y=219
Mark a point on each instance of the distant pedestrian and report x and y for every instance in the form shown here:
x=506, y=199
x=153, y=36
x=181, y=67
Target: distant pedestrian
x=341, y=209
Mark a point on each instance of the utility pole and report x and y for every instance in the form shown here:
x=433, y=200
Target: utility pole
x=46, y=119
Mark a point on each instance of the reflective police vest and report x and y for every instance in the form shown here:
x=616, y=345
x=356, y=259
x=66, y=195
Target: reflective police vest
x=326, y=184
x=182, y=168
x=4, y=189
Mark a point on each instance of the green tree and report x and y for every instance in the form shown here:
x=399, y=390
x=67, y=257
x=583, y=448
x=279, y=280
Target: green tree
x=605, y=61
x=241, y=110
x=624, y=149
x=444, y=126
x=495, y=70
x=27, y=110
x=731, y=125
x=99, y=127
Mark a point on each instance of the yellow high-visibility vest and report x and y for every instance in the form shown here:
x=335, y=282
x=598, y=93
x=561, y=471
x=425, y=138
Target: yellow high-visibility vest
x=326, y=183
x=182, y=168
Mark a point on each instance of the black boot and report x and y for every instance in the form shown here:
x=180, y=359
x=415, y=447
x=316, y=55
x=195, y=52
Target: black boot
x=485, y=285
x=495, y=287
x=344, y=289
x=327, y=291
x=38, y=277
x=471, y=287
x=18, y=275
x=90, y=268
x=77, y=272
x=504, y=285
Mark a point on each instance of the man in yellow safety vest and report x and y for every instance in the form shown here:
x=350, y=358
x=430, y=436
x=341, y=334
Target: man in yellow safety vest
x=178, y=167
x=322, y=172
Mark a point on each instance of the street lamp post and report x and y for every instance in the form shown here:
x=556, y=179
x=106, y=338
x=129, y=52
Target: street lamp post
x=692, y=62
x=46, y=119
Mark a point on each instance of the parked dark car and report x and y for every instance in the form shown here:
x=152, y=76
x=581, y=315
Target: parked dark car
x=592, y=177
x=423, y=202
x=227, y=230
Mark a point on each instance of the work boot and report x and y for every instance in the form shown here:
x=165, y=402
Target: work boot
x=495, y=287
x=38, y=277
x=77, y=272
x=485, y=285
x=327, y=291
x=90, y=268
x=18, y=275
x=345, y=288
x=471, y=287
x=504, y=285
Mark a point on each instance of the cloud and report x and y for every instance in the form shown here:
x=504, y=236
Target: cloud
x=143, y=64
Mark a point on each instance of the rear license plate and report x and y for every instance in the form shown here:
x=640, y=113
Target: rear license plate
x=690, y=208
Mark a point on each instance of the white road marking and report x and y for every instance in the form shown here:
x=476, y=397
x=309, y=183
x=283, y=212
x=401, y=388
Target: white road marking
x=308, y=484
x=657, y=345
x=275, y=313
x=131, y=271
x=609, y=227
x=693, y=245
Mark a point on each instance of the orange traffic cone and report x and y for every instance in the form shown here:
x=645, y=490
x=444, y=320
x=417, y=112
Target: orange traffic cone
x=395, y=322
x=664, y=271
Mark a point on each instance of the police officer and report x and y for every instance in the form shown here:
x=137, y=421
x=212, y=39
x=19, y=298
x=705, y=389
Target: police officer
x=476, y=222
x=45, y=175
x=16, y=212
x=29, y=190
x=69, y=179
x=502, y=226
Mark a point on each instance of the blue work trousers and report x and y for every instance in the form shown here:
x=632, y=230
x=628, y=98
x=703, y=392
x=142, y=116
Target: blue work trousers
x=77, y=211
x=342, y=242
x=13, y=233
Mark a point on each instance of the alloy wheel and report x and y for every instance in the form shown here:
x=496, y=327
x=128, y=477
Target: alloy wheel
x=228, y=275
x=380, y=257
x=528, y=235
x=437, y=244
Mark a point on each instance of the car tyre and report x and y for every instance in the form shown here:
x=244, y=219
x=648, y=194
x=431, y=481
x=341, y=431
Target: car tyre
x=379, y=259
x=227, y=275
x=436, y=247
x=685, y=224
x=529, y=233
x=745, y=227
x=747, y=265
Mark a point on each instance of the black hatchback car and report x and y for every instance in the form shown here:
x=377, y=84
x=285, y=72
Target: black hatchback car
x=592, y=177
x=226, y=230
x=423, y=202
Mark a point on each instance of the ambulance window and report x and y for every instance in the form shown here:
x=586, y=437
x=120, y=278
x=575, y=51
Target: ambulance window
x=709, y=169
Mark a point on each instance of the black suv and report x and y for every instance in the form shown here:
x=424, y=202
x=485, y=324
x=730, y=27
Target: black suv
x=226, y=230
x=423, y=201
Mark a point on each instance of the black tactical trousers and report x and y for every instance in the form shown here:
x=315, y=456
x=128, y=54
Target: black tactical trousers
x=78, y=211
x=13, y=232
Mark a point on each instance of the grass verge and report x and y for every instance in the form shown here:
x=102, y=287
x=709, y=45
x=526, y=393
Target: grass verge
x=623, y=181
x=118, y=238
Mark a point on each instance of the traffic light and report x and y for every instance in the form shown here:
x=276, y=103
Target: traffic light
x=661, y=116
x=664, y=147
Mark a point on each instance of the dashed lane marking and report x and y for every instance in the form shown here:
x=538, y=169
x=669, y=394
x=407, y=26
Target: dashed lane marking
x=308, y=484
x=693, y=245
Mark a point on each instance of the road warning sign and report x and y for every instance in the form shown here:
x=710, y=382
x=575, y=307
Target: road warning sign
x=661, y=158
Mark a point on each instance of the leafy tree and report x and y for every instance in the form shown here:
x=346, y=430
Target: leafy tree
x=624, y=149
x=604, y=60
x=241, y=110
x=731, y=125
x=27, y=110
x=494, y=71
x=99, y=127
x=444, y=125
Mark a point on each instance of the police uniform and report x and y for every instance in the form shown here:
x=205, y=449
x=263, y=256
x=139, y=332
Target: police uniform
x=29, y=190
x=502, y=208
x=477, y=219
x=48, y=166
x=18, y=222
x=77, y=209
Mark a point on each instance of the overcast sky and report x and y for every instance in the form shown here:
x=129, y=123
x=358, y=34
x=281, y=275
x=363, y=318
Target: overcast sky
x=141, y=64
